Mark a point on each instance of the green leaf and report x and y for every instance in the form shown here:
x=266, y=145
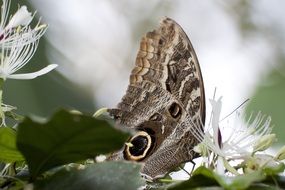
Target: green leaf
x=65, y=138
x=106, y=175
x=204, y=177
x=262, y=186
x=8, y=149
x=275, y=180
x=241, y=181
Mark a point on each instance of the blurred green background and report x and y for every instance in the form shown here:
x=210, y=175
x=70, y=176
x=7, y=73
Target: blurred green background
x=45, y=94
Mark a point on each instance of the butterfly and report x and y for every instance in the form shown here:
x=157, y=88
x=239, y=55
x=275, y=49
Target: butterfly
x=164, y=103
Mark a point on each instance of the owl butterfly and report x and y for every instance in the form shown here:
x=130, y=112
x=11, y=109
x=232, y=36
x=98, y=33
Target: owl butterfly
x=164, y=102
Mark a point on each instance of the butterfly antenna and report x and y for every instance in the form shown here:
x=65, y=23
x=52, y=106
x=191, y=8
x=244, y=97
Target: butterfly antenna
x=235, y=110
x=214, y=95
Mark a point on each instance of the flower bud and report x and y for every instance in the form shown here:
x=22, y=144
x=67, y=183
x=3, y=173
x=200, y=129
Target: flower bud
x=202, y=149
x=75, y=112
x=264, y=142
x=100, y=158
x=281, y=154
x=21, y=17
x=100, y=112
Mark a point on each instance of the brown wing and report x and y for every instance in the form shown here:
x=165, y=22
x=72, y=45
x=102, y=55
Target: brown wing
x=165, y=96
x=166, y=59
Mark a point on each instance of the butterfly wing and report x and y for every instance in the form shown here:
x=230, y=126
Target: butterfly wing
x=165, y=99
x=167, y=59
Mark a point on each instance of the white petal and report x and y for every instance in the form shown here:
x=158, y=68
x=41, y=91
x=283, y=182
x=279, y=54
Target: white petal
x=34, y=74
x=21, y=17
x=220, y=166
x=216, y=110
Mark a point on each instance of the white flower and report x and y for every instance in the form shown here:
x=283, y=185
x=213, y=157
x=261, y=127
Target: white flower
x=18, y=24
x=18, y=43
x=238, y=141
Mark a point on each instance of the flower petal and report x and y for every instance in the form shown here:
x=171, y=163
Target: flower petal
x=34, y=74
x=216, y=107
x=21, y=17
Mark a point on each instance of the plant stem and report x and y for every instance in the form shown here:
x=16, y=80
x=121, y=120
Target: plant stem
x=2, y=114
x=169, y=180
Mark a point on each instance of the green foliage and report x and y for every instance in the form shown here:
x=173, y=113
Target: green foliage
x=8, y=149
x=34, y=93
x=204, y=177
x=65, y=138
x=69, y=138
x=275, y=169
x=106, y=175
